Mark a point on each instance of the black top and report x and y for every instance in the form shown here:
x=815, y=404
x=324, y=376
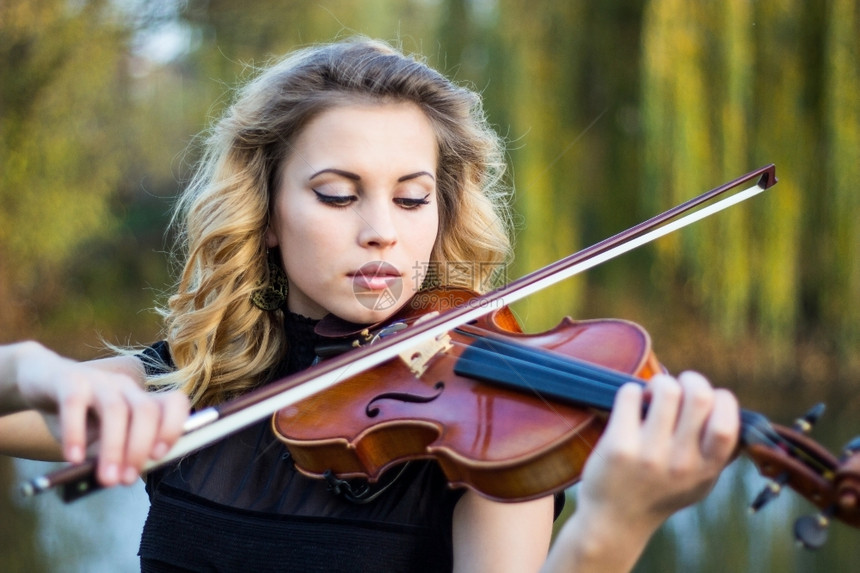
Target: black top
x=240, y=505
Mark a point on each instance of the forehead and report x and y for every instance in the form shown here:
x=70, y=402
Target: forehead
x=372, y=135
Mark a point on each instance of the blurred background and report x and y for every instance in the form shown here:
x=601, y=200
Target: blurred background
x=614, y=111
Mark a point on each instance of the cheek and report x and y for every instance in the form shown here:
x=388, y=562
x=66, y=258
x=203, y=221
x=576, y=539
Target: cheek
x=425, y=245
x=420, y=230
x=433, y=228
x=305, y=237
x=432, y=236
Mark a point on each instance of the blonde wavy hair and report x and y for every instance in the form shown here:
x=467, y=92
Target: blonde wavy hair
x=221, y=344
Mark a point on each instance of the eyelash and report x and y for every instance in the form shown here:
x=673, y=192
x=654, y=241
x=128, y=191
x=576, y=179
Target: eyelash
x=407, y=203
x=341, y=201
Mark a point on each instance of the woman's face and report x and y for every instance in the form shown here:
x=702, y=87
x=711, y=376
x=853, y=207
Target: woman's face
x=355, y=213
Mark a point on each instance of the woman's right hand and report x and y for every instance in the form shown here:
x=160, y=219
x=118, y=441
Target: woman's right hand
x=98, y=406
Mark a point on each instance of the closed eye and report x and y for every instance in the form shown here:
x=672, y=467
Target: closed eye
x=335, y=200
x=410, y=203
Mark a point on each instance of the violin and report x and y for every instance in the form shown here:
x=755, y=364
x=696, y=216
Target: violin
x=513, y=416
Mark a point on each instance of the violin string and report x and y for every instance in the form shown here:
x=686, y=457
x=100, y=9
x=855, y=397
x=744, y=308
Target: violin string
x=607, y=381
x=612, y=379
x=525, y=384
x=566, y=380
x=476, y=367
x=610, y=383
x=521, y=385
x=588, y=384
x=515, y=372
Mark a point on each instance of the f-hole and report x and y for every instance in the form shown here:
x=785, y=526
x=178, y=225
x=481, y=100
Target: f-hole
x=372, y=410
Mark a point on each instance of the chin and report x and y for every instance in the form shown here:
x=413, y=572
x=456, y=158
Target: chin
x=370, y=308
x=365, y=316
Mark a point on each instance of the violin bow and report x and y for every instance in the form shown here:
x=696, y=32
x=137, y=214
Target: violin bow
x=211, y=424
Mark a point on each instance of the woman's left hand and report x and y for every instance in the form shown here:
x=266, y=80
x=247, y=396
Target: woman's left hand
x=668, y=459
x=645, y=468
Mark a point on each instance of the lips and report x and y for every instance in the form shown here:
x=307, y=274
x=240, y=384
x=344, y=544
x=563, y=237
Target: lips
x=376, y=275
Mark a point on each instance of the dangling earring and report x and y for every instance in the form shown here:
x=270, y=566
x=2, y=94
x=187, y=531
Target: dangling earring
x=273, y=295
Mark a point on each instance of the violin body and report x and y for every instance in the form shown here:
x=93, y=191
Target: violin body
x=509, y=445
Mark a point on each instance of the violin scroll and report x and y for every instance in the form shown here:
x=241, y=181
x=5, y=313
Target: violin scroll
x=789, y=457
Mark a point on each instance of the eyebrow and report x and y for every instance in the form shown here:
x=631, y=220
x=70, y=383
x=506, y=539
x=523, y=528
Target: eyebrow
x=355, y=177
x=416, y=175
x=341, y=172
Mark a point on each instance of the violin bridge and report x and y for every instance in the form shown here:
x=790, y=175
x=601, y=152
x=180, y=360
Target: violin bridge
x=417, y=357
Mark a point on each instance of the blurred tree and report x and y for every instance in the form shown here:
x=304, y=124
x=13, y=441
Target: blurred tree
x=840, y=291
x=736, y=85
x=231, y=38
x=543, y=71
x=564, y=86
x=61, y=94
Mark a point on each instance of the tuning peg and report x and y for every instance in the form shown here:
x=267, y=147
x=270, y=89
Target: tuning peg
x=804, y=423
x=810, y=531
x=851, y=447
x=770, y=492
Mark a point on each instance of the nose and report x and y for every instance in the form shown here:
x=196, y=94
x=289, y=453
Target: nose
x=377, y=226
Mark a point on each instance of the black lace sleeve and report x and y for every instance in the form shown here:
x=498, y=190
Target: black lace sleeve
x=156, y=359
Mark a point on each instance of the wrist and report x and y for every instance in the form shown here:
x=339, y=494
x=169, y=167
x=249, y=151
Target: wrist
x=596, y=539
x=12, y=357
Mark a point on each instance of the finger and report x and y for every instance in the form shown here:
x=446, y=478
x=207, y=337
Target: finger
x=73, y=424
x=626, y=416
x=663, y=409
x=142, y=433
x=174, y=411
x=720, y=437
x=620, y=439
x=113, y=413
x=696, y=407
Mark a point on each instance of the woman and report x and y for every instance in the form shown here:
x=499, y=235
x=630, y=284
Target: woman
x=338, y=179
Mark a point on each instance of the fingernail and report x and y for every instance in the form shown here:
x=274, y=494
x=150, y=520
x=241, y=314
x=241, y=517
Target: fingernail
x=159, y=450
x=111, y=474
x=129, y=476
x=75, y=454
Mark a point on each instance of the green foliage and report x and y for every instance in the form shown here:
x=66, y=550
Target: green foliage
x=840, y=245
x=736, y=85
x=62, y=90
x=62, y=93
